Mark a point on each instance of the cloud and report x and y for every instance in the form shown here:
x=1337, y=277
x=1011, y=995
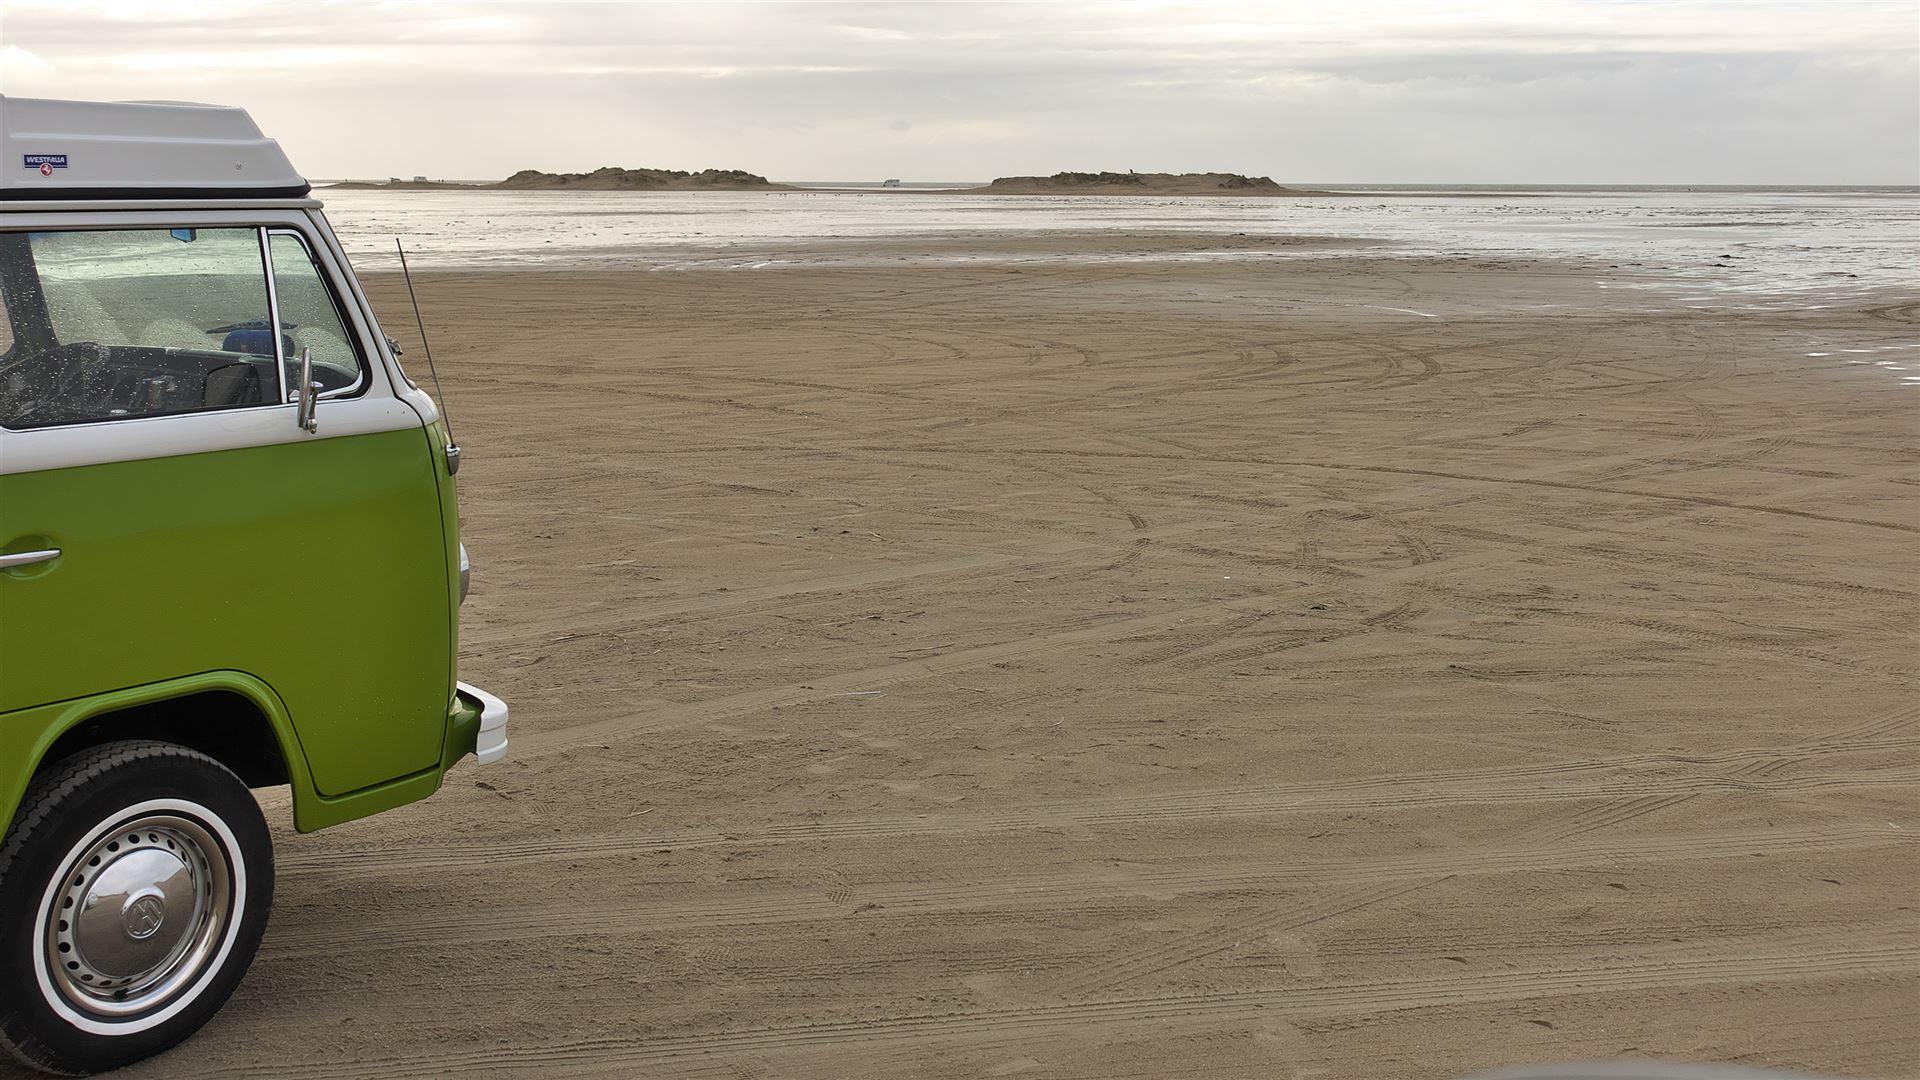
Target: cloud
x=1550, y=91
x=21, y=62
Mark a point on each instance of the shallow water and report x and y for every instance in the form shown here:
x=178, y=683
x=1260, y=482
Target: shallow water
x=1804, y=244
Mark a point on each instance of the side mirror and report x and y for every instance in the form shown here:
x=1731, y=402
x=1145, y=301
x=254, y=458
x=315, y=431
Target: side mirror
x=308, y=395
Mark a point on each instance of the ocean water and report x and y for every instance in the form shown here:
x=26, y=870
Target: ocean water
x=1795, y=246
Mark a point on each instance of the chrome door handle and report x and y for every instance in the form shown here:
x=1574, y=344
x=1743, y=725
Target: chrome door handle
x=28, y=558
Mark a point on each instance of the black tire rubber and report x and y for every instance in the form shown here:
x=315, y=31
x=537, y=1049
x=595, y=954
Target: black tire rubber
x=64, y=804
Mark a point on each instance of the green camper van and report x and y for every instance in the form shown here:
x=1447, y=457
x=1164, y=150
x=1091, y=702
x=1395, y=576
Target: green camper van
x=229, y=559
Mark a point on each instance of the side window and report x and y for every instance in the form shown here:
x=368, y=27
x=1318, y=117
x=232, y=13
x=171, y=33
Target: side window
x=309, y=318
x=6, y=323
x=121, y=323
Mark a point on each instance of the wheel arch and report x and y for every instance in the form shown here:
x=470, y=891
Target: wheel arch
x=230, y=716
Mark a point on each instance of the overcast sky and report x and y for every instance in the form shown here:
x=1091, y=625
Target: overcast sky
x=1639, y=92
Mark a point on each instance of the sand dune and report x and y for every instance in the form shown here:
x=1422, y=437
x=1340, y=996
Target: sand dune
x=1065, y=183
x=609, y=178
x=1133, y=183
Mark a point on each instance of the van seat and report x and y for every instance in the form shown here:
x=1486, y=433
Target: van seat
x=259, y=342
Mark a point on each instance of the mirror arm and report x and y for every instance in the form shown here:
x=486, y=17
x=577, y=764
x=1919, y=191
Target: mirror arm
x=308, y=396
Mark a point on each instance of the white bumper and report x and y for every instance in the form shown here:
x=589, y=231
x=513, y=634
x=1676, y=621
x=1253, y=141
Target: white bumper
x=491, y=744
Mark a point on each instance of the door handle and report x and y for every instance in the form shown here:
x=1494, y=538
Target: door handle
x=28, y=558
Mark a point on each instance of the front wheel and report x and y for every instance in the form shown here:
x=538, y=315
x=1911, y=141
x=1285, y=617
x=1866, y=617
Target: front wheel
x=134, y=888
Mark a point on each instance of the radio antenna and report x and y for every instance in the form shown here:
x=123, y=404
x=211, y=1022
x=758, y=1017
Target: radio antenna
x=453, y=448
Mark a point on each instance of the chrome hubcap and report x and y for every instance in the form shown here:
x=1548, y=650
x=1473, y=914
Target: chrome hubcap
x=138, y=915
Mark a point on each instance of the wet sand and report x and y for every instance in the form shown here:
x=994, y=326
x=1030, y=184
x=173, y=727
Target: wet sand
x=1329, y=667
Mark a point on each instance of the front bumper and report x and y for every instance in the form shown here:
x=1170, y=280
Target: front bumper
x=490, y=741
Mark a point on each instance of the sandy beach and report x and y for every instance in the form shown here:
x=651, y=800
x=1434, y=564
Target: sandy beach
x=1336, y=666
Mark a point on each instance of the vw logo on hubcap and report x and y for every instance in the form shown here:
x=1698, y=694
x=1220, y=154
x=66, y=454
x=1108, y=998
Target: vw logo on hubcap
x=143, y=916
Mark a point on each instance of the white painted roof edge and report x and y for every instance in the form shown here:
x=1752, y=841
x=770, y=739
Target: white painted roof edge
x=160, y=200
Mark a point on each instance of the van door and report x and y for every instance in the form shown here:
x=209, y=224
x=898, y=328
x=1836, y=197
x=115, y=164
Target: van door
x=149, y=444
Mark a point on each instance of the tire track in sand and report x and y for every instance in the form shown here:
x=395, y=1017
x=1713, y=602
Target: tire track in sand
x=1662, y=775
x=1071, y=888
x=627, y=1053
x=1553, y=829
x=1011, y=557
x=1665, y=775
x=656, y=719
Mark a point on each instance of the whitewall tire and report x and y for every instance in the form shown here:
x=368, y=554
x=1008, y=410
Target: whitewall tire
x=135, y=883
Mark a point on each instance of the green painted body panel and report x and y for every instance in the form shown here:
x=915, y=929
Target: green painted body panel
x=26, y=734
x=324, y=570
x=437, y=443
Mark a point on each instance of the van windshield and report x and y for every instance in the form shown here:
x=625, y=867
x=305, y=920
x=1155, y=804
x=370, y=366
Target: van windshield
x=119, y=323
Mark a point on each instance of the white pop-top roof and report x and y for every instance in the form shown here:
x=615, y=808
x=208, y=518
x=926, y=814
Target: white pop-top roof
x=137, y=149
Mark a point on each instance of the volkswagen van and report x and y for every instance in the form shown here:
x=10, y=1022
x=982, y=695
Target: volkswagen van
x=229, y=559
